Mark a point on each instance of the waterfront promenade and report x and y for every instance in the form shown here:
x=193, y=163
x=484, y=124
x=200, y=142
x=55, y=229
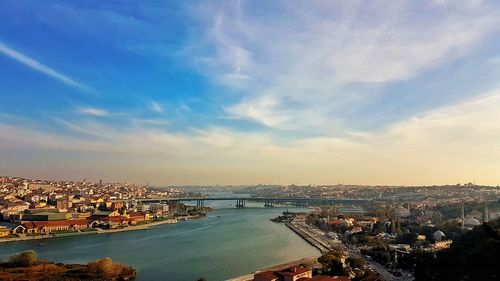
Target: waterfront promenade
x=24, y=237
x=318, y=239
x=306, y=235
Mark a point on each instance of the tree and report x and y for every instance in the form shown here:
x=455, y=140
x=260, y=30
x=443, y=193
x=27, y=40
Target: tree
x=355, y=262
x=392, y=227
x=474, y=256
x=332, y=263
x=407, y=238
x=102, y=207
x=398, y=227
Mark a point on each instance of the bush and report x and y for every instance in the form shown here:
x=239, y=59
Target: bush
x=106, y=267
x=101, y=266
x=27, y=258
x=355, y=262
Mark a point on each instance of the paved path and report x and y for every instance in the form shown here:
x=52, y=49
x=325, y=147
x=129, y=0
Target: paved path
x=319, y=235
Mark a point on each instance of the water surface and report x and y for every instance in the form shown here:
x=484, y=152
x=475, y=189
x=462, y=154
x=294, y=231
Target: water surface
x=228, y=243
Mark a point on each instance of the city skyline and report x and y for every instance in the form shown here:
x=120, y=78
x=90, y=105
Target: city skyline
x=241, y=92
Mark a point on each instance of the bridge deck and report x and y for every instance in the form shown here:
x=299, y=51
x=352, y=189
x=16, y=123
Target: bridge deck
x=254, y=199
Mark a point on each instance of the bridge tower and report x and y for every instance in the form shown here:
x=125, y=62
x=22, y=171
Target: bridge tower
x=269, y=203
x=301, y=203
x=240, y=203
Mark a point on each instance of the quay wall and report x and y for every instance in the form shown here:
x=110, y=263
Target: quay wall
x=306, y=236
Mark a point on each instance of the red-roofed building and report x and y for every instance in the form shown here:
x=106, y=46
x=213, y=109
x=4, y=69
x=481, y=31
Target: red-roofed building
x=295, y=273
x=266, y=276
x=51, y=226
x=341, y=278
x=138, y=216
x=326, y=278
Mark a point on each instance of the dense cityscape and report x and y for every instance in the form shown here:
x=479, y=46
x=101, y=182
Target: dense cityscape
x=39, y=208
x=391, y=235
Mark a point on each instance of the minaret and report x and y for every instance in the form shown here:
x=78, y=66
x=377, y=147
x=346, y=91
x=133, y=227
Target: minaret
x=486, y=215
x=463, y=216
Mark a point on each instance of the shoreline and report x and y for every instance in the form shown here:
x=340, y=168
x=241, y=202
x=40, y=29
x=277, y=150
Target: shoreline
x=96, y=232
x=309, y=237
x=304, y=234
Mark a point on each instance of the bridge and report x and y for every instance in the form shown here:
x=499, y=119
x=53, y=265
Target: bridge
x=268, y=201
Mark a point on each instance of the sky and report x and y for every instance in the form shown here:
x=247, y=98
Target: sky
x=245, y=92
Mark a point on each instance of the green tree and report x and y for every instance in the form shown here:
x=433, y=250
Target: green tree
x=407, y=238
x=392, y=227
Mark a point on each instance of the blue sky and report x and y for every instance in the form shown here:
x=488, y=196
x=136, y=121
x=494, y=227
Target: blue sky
x=235, y=92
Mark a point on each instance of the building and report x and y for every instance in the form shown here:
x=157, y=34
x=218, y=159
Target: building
x=327, y=278
x=438, y=235
x=266, y=276
x=401, y=247
x=290, y=274
x=441, y=245
x=45, y=227
x=64, y=203
x=295, y=273
x=116, y=205
x=4, y=231
x=143, y=207
x=45, y=215
x=421, y=237
x=159, y=207
x=12, y=210
x=402, y=212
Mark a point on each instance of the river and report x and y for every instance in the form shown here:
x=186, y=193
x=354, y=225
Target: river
x=227, y=243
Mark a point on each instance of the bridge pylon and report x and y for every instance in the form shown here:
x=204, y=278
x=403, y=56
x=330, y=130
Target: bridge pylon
x=240, y=203
x=269, y=203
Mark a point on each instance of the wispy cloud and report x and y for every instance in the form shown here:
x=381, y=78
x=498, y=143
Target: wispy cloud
x=36, y=65
x=156, y=107
x=300, y=66
x=450, y=137
x=93, y=111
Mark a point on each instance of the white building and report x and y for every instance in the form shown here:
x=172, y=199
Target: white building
x=143, y=207
x=159, y=207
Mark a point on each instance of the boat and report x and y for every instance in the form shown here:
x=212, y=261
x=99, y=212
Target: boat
x=287, y=213
x=281, y=219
